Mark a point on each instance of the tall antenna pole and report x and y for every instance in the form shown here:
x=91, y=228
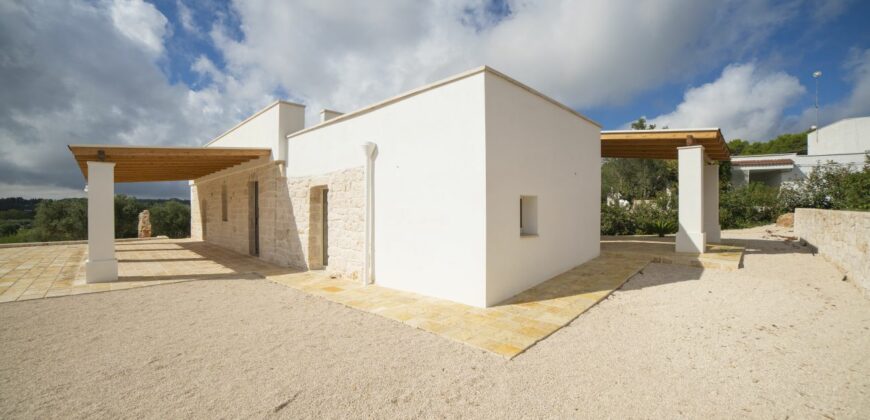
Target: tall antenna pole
x=816, y=75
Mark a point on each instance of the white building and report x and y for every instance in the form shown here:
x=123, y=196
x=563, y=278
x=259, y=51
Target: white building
x=470, y=189
x=480, y=188
x=843, y=143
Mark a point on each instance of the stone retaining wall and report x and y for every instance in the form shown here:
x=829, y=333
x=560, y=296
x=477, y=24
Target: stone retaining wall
x=842, y=237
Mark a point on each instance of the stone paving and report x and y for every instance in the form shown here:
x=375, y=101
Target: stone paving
x=36, y=272
x=507, y=329
x=661, y=250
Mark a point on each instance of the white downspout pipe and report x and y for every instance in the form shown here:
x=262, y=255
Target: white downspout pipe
x=368, y=148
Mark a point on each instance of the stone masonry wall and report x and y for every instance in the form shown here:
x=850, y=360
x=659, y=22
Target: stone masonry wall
x=206, y=215
x=290, y=221
x=842, y=237
x=345, y=218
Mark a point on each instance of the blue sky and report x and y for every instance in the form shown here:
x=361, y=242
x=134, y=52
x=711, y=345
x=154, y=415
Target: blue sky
x=179, y=72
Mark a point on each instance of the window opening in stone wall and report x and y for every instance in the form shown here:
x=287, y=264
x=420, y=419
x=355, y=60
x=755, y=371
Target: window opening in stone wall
x=224, y=202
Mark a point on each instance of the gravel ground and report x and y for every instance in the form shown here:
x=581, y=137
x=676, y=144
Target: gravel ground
x=784, y=337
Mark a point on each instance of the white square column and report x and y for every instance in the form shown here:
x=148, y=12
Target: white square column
x=690, y=236
x=102, y=265
x=711, y=203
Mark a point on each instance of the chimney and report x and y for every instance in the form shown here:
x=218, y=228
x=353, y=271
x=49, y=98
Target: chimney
x=328, y=114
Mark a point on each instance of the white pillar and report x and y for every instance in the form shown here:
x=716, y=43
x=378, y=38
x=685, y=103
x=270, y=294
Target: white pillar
x=711, y=203
x=368, y=150
x=102, y=265
x=690, y=237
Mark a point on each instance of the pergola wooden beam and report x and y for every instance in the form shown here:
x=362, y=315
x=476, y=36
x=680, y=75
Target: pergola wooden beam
x=150, y=164
x=662, y=144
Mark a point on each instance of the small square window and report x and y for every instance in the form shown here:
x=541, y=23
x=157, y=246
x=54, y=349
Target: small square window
x=528, y=215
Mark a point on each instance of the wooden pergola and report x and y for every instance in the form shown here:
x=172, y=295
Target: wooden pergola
x=698, y=153
x=152, y=164
x=105, y=165
x=662, y=144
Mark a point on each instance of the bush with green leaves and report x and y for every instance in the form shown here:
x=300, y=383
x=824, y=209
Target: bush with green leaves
x=616, y=220
x=830, y=187
x=170, y=218
x=654, y=219
x=750, y=205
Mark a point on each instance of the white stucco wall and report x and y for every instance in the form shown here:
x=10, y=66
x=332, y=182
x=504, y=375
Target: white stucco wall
x=266, y=128
x=430, y=190
x=851, y=135
x=535, y=148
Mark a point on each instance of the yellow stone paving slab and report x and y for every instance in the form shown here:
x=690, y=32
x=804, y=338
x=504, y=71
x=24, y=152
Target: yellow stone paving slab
x=507, y=329
x=36, y=272
x=661, y=250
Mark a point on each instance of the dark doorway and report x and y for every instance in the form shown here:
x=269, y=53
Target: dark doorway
x=254, y=218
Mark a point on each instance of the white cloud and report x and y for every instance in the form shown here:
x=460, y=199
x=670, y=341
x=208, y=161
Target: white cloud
x=69, y=77
x=344, y=55
x=140, y=22
x=89, y=72
x=745, y=102
x=186, y=17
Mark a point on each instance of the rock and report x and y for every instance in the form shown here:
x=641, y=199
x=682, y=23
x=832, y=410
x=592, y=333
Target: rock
x=145, y=224
x=786, y=220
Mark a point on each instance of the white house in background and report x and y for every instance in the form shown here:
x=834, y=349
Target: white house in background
x=471, y=189
x=843, y=143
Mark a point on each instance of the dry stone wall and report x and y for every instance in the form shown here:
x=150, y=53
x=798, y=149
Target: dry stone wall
x=290, y=217
x=207, y=218
x=842, y=237
x=345, y=220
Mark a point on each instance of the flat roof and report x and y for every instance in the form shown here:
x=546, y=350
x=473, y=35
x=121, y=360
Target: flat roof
x=425, y=88
x=662, y=144
x=151, y=164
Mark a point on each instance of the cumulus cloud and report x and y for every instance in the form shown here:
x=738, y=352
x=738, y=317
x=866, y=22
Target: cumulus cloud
x=94, y=71
x=69, y=77
x=140, y=22
x=185, y=15
x=745, y=102
x=344, y=56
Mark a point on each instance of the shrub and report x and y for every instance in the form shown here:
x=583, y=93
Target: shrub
x=654, y=219
x=830, y=187
x=750, y=205
x=170, y=218
x=616, y=220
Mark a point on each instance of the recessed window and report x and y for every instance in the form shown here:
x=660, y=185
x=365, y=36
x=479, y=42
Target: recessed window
x=224, y=202
x=528, y=215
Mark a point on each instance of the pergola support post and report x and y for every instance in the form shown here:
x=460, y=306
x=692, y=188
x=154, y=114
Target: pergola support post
x=711, y=203
x=691, y=236
x=101, y=265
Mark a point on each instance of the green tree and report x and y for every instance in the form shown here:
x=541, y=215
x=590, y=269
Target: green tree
x=127, y=216
x=637, y=179
x=784, y=143
x=61, y=220
x=171, y=218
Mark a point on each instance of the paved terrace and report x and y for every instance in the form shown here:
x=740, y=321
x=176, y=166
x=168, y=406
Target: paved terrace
x=507, y=329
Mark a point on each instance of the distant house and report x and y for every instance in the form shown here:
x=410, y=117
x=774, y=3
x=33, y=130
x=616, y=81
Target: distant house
x=843, y=143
